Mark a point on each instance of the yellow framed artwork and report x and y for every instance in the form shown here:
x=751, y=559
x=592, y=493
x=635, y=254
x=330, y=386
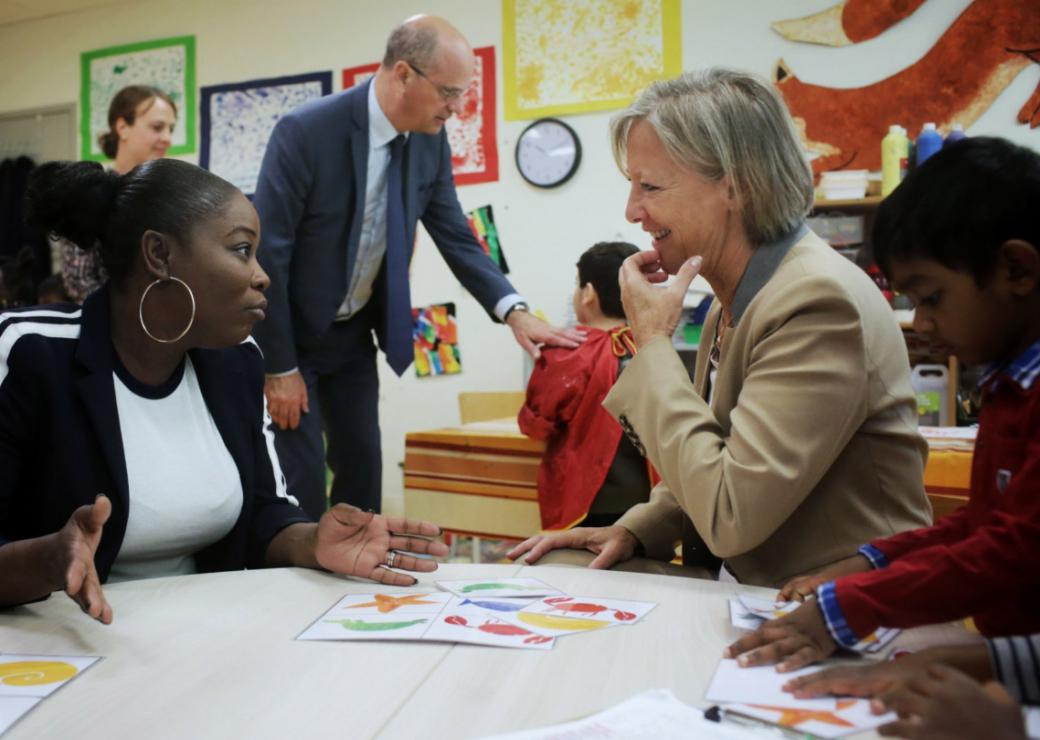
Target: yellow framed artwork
x=577, y=56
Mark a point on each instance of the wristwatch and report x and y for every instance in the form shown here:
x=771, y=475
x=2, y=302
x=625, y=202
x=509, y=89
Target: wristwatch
x=518, y=306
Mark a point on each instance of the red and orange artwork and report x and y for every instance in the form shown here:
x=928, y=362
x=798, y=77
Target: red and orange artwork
x=977, y=57
x=472, y=132
x=385, y=603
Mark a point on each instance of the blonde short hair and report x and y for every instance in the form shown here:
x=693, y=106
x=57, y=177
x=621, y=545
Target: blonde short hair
x=722, y=123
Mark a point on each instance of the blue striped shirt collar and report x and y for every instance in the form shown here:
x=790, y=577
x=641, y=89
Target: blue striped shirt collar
x=1023, y=370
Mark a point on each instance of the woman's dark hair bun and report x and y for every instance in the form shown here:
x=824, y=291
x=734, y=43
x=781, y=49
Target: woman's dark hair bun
x=109, y=144
x=72, y=199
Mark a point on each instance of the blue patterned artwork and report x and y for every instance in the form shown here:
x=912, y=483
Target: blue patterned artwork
x=237, y=120
x=168, y=64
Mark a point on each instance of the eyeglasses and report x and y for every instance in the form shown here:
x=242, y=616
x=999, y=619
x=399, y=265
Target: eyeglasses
x=449, y=94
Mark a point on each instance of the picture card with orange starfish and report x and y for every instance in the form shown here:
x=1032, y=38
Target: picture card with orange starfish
x=849, y=717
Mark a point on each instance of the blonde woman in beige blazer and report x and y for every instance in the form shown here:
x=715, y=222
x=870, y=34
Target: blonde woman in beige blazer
x=797, y=441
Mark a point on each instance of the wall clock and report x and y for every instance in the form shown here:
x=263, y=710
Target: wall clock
x=548, y=153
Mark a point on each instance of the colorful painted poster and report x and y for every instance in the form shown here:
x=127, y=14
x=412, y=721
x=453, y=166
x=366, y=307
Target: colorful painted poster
x=168, y=64
x=436, y=338
x=238, y=118
x=482, y=222
x=585, y=55
x=472, y=133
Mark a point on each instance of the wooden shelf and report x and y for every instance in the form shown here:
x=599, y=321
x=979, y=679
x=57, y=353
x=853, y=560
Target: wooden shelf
x=871, y=201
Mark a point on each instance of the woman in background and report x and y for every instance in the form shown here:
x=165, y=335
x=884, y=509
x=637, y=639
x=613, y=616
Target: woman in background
x=141, y=120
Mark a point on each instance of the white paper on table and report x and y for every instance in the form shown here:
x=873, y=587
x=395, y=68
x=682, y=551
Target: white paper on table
x=612, y=611
x=435, y=617
x=651, y=715
x=848, y=717
x=499, y=587
x=760, y=685
x=39, y=675
x=12, y=708
x=741, y=618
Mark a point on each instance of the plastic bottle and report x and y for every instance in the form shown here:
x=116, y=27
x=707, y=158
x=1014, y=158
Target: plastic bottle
x=930, y=385
x=928, y=143
x=894, y=151
x=956, y=134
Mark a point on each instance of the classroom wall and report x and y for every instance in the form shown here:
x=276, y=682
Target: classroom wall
x=543, y=232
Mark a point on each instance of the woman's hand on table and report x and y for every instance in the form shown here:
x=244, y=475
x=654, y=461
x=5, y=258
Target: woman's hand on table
x=611, y=545
x=72, y=567
x=653, y=310
x=944, y=704
x=792, y=641
x=803, y=587
x=359, y=543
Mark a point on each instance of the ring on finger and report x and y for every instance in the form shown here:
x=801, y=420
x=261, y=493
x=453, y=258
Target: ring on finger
x=390, y=558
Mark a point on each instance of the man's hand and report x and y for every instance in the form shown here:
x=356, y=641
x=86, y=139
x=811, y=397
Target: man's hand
x=611, y=544
x=792, y=641
x=653, y=310
x=944, y=704
x=530, y=331
x=72, y=566
x=286, y=399
x=359, y=543
x=802, y=587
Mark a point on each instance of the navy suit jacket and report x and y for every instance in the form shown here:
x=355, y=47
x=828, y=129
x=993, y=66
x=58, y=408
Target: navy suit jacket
x=60, y=440
x=311, y=199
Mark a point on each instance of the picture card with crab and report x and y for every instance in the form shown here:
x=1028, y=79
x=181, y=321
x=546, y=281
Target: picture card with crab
x=436, y=616
x=496, y=588
x=611, y=611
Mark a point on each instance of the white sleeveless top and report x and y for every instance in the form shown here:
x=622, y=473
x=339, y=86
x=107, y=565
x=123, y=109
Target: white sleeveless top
x=185, y=491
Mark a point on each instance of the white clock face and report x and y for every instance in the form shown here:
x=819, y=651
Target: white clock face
x=547, y=153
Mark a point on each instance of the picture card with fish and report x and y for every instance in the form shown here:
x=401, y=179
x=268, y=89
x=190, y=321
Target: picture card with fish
x=442, y=618
x=470, y=624
x=39, y=675
x=849, y=716
x=500, y=588
x=760, y=685
x=611, y=611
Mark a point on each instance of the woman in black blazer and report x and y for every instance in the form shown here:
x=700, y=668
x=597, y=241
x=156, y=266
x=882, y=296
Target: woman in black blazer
x=157, y=372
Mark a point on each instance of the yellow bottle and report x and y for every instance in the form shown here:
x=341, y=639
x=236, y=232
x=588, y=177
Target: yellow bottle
x=895, y=147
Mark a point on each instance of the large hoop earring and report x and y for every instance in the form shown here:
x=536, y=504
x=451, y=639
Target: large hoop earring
x=140, y=311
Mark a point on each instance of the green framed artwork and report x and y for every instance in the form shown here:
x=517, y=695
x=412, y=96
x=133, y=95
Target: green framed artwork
x=168, y=64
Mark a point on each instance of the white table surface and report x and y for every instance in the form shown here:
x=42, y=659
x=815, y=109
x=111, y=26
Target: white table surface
x=214, y=656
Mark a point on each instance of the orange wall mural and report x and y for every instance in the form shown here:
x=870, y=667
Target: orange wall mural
x=977, y=57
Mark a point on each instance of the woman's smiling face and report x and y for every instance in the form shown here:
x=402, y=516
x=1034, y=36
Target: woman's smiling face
x=686, y=214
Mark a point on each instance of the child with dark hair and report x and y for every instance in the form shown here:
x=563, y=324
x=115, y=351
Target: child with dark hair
x=590, y=472
x=961, y=237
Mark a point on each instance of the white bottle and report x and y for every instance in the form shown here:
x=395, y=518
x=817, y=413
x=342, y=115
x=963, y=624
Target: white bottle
x=930, y=384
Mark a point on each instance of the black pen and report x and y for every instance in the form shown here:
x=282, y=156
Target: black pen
x=722, y=714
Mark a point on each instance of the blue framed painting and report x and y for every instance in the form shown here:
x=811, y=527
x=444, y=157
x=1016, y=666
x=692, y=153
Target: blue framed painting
x=236, y=120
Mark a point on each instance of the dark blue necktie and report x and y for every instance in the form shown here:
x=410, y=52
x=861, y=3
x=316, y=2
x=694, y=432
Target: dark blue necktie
x=397, y=337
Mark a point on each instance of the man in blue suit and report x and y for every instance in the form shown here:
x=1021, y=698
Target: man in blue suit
x=343, y=183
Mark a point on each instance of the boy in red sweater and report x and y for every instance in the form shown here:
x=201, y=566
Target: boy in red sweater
x=961, y=237
x=590, y=472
